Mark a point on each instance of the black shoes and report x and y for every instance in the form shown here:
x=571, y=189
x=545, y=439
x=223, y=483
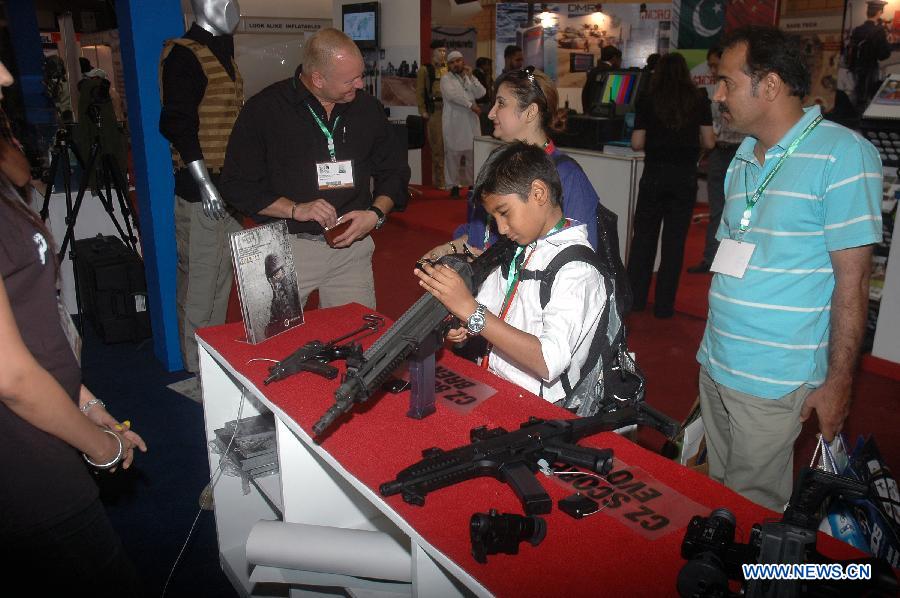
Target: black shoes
x=701, y=268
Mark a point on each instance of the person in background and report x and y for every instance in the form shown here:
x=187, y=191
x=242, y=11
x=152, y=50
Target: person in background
x=786, y=322
x=460, y=90
x=482, y=71
x=513, y=59
x=431, y=108
x=52, y=520
x=717, y=161
x=314, y=150
x=868, y=46
x=672, y=125
x=610, y=60
x=526, y=109
x=652, y=61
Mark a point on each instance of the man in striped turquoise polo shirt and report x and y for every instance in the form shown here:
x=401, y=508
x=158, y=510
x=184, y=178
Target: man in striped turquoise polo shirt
x=787, y=305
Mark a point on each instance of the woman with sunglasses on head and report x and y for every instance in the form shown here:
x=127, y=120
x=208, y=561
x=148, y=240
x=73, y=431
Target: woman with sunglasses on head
x=51, y=520
x=526, y=108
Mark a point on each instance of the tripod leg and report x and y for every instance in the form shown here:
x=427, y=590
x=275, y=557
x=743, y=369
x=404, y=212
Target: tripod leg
x=114, y=175
x=98, y=168
x=54, y=165
x=73, y=217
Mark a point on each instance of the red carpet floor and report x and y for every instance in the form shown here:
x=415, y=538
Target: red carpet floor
x=665, y=348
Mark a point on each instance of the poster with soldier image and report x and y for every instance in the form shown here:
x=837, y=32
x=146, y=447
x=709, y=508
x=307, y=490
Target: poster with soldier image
x=267, y=283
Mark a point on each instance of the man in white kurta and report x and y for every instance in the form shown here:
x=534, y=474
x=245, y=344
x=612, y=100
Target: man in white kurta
x=460, y=89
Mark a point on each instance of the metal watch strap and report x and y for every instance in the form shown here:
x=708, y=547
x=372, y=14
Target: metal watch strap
x=476, y=322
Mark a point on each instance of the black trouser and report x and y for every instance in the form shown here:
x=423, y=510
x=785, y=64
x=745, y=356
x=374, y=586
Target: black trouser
x=716, y=166
x=666, y=198
x=79, y=556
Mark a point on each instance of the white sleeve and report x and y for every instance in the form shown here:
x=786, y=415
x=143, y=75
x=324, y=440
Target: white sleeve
x=452, y=91
x=571, y=316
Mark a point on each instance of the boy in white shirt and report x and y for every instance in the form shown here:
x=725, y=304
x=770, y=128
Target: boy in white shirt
x=541, y=349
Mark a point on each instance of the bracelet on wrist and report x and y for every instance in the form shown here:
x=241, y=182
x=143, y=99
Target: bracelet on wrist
x=293, y=207
x=452, y=247
x=114, y=461
x=87, y=406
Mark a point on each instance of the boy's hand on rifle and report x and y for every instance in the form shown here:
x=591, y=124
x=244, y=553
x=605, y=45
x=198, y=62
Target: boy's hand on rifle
x=457, y=335
x=448, y=287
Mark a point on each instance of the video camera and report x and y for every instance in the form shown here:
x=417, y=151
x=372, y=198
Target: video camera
x=714, y=557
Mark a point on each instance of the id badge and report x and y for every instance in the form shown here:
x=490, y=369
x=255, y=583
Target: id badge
x=335, y=175
x=732, y=258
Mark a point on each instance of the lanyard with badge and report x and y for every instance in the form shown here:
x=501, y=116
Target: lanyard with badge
x=516, y=265
x=334, y=174
x=734, y=255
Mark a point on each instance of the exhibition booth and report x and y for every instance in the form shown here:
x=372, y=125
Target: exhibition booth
x=310, y=513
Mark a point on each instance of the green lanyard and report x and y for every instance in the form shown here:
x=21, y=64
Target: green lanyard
x=751, y=201
x=514, y=271
x=329, y=135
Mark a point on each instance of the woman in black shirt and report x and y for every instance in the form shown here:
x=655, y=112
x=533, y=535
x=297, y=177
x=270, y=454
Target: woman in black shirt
x=672, y=125
x=52, y=524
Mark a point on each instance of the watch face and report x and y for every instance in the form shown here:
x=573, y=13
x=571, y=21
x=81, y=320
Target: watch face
x=476, y=322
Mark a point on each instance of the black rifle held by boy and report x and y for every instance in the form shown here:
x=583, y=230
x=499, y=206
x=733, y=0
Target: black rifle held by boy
x=424, y=324
x=513, y=457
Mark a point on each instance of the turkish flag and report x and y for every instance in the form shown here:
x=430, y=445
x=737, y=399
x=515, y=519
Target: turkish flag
x=749, y=12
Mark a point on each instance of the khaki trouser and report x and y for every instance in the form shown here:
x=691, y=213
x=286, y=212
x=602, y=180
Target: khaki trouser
x=436, y=143
x=204, y=274
x=750, y=441
x=341, y=275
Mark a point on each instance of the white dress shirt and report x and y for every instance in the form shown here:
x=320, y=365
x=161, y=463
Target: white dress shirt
x=565, y=327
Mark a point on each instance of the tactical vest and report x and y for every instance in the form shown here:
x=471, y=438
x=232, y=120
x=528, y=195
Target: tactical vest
x=219, y=107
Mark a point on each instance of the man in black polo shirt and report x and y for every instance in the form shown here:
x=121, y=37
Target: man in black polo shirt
x=307, y=150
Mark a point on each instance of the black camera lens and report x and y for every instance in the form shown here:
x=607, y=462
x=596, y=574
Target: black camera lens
x=494, y=532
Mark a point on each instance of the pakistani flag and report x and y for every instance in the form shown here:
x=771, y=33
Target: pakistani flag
x=700, y=22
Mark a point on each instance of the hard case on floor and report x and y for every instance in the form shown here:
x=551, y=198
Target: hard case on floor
x=113, y=289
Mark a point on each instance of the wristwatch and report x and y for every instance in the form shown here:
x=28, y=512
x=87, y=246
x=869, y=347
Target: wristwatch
x=380, y=214
x=475, y=323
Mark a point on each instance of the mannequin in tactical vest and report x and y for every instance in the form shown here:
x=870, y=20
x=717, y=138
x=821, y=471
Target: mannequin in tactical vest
x=202, y=93
x=428, y=98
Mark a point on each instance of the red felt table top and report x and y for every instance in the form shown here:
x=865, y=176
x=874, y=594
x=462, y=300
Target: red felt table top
x=590, y=556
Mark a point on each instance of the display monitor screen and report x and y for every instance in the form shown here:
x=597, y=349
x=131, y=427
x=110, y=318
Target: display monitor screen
x=580, y=63
x=361, y=23
x=620, y=88
x=360, y=26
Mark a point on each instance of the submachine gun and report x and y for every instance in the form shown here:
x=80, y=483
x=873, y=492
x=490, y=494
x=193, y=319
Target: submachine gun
x=714, y=557
x=417, y=334
x=515, y=457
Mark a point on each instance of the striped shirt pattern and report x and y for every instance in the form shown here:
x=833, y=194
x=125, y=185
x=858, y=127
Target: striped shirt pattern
x=767, y=333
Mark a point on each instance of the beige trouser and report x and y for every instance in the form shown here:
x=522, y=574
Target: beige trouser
x=204, y=274
x=341, y=275
x=436, y=143
x=750, y=441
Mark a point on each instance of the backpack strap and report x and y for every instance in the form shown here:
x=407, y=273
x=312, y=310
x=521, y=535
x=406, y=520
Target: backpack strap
x=576, y=253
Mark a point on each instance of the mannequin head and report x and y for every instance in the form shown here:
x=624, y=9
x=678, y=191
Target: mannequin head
x=219, y=17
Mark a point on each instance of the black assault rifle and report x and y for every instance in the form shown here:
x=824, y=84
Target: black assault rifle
x=513, y=457
x=421, y=329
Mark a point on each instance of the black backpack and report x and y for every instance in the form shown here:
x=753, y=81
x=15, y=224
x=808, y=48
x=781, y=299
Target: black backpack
x=609, y=376
x=608, y=247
